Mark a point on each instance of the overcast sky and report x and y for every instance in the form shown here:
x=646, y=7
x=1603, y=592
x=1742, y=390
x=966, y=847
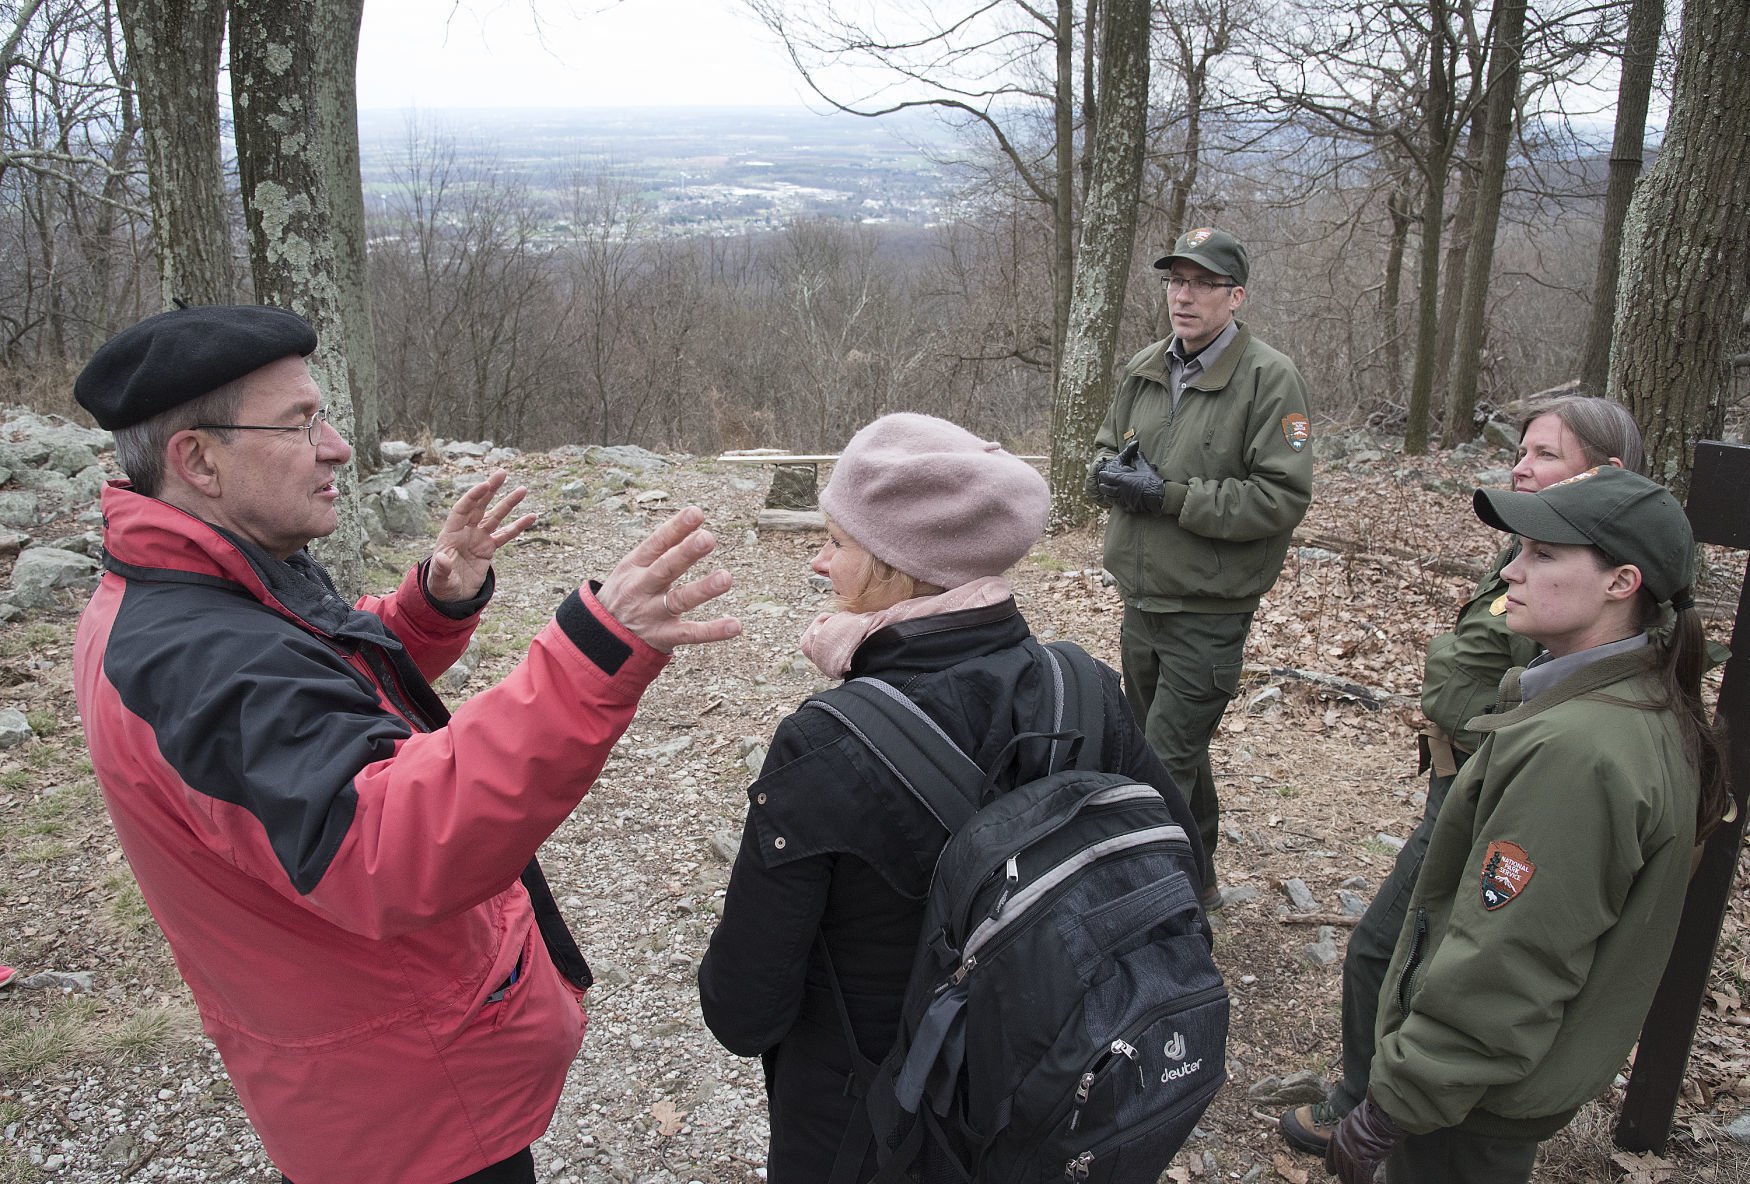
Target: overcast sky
x=585, y=53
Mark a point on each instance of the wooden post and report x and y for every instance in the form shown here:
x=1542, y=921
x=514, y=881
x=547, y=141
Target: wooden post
x=1720, y=514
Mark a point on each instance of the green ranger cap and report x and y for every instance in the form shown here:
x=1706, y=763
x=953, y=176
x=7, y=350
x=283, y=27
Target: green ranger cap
x=1217, y=250
x=1629, y=518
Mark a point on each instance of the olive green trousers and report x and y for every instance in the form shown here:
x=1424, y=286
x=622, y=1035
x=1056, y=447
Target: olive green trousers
x=1180, y=672
x=1452, y=1156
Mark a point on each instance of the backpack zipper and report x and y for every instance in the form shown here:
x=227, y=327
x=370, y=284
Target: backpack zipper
x=1012, y=876
x=1082, y=1165
x=1018, y=905
x=1112, y=796
x=1118, y=1048
x=1122, y=1047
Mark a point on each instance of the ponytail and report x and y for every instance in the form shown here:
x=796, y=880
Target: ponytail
x=1684, y=660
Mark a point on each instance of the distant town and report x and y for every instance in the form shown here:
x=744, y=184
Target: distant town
x=692, y=170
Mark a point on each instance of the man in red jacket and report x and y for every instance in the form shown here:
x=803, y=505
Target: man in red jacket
x=345, y=871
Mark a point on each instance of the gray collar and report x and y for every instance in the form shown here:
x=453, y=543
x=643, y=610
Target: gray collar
x=1544, y=672
x=1211, y=353
x=1181, y=371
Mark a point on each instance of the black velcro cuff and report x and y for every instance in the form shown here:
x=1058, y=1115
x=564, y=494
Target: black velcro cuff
x=458, y=610
x=593, y=639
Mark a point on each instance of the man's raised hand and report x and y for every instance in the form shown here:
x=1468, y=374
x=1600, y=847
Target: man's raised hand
x=471, y=535
x=644, y=594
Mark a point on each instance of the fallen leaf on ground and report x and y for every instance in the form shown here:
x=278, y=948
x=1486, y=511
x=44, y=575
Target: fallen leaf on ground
x=1645, y=1168
x=1287, y=1170
x=668, y=1119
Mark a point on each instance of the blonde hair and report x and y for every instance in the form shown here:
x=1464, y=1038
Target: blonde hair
x=877, y=581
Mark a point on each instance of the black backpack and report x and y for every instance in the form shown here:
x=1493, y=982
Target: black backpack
x=1064, y=1018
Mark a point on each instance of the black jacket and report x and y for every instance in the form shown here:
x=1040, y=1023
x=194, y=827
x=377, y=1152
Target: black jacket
x=835, y=845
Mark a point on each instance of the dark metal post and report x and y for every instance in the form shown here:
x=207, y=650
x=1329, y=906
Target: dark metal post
x=1719, y=511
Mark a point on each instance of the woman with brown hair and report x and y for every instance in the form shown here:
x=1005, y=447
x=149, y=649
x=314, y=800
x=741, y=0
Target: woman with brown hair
x=1463, y=674
x=1546, y=908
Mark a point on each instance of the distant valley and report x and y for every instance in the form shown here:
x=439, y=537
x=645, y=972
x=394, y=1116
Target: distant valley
x=693, y=170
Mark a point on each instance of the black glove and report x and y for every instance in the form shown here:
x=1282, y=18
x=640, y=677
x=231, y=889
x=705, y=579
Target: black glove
x=1094, y=489
x=1131, y=483
x=1361, y=1142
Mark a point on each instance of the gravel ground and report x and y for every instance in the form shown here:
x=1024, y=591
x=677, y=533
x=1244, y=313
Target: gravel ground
x=133, y=1093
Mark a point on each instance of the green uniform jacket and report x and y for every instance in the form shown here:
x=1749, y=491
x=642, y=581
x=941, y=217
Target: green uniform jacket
x=1465, y=666
x=1241, y=441
x=1504, y=1020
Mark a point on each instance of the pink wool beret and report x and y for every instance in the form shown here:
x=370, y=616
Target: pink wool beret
x=934, y=501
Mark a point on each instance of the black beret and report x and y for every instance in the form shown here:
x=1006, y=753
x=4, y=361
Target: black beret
x=168, y=359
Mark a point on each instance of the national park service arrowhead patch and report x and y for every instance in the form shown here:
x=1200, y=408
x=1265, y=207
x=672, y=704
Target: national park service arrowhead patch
x=1296, y=430
x=1507, y=869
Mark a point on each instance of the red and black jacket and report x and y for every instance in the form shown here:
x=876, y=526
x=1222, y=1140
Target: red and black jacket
x=333, y=858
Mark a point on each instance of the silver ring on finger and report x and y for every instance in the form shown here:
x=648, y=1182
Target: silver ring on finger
x=668, y=604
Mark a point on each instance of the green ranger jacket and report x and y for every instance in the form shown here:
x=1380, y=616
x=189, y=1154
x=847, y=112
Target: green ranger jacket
x=1545, y=911
x=1240, y=445
x=1465, y=666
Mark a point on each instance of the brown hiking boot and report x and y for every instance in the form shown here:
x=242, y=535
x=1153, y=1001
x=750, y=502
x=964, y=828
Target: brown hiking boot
x=1309, y=1128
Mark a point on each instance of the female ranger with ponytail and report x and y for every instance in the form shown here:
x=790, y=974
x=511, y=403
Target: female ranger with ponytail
x=1556, y=874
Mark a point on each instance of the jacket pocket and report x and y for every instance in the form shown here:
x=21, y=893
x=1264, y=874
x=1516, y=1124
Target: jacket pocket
x=1226, y=678
x=502, y=989
x=1182, y=563
x=1453, y=694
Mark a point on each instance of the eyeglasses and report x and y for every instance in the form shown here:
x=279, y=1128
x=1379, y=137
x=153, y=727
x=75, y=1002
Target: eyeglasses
x=1199, y=286
x=312, y=430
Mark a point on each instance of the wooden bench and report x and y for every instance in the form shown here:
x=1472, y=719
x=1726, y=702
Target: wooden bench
x=782, y=511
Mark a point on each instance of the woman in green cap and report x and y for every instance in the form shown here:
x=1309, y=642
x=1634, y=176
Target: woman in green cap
x=1557, y=439
x=1556, y=874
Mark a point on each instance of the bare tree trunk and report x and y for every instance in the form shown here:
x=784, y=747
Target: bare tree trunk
x=1090, y=91
x=1391, y=291
x=1198, y=36
x=1103, y=261
x=337, y=93
x=108, y=309
x=1457, y=239
x=1436, y=159
x=1505, y=56
x=283, y=163
x=1063, y=214
x=1427, y=317
x=1686, y=250
x=1185, y=178
x=173, y=52
x=1646, y=19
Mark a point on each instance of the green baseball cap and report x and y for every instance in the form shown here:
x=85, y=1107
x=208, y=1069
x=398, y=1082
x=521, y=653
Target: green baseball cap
x=1629, y=518
x=1217, y=250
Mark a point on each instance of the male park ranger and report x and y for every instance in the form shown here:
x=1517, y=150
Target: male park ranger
x=1206, y=460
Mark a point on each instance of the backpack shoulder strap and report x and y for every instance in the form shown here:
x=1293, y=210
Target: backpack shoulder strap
x=1081, y=696
x=910, y=744
x=947, y=783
